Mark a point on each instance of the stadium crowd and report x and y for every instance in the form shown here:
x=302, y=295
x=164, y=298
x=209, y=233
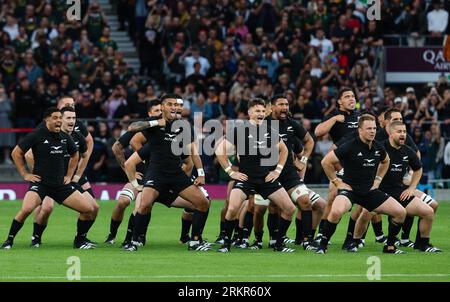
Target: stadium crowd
x=217, y=55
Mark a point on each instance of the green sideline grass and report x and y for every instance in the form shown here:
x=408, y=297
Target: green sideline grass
x=164, y=259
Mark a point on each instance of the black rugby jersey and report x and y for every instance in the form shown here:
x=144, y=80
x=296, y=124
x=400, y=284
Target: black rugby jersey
x=360, y=163
x=49, y=149
x=80, y=143
x=164, y=144
x=254, y=147
x=290, y=131
x=340, y=132
x=400, y=161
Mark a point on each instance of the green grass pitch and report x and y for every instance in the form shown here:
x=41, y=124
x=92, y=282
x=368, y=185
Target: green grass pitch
x=164, y=259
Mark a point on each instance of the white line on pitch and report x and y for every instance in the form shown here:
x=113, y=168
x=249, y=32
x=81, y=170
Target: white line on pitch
x=224, y=276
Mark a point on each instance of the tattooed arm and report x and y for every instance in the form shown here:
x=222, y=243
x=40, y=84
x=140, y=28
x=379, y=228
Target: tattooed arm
x=119, y=153
x=142, y=125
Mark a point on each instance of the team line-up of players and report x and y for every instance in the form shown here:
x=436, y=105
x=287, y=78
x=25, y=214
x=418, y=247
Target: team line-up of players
x=376, y=170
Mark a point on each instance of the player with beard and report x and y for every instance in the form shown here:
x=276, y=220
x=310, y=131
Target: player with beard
x=255, y=145
x=50, y=177
x=389, y=116
x=41, y=217
x=164, y=172
x=46, y=208
x=365, y=162
x=401, y=158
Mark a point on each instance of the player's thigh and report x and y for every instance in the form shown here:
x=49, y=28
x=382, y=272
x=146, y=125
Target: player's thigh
x=77, y=202
x=282, y=200
x=148, y=196
x=417, y=208
x=30, y=201
x=236, y=199
x=195, y=196
x=182, y=203
x=47, y=204
x=391, y=207
x=91, y=200
x=365, y=216
x=341, y=205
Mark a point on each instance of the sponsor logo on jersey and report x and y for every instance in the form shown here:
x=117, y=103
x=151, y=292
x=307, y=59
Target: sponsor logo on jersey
x=369, y=162
x=352, y=124
x=56, y=150
x=397, y=168
x=46, y=142
x=170, y=137
x=360, y=154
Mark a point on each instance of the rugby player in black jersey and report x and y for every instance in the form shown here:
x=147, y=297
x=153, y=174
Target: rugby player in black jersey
x=165, y=172
x=289, y=131
x=47, y=206
x=128, y=192
x=341, y=125
x=392, y=115
x=365, y=163
x=401, y=158
x=49, y=176
x=262, y=155
x=139, y=140
x=42, y=213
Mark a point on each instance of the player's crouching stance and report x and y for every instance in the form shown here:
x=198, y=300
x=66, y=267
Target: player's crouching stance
x=401, y=157
x=164, y=173
x=365, y=163
x=254, y=176
x=49, y=146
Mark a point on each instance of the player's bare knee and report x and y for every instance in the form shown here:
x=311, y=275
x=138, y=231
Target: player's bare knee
x=434, y=205
x=123, y=203
x=399, y=214
x=47, y=208
x=203, y=206
x=335, y=215
x=304, y=204
x=289, y=210
x=428, y=213
x=87, y=209
x=319, y=206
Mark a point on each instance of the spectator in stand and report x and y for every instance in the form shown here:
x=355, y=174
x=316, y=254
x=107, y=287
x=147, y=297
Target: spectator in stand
x=417, y=26
x=213, y=107
x=88, y=107
x=7, y=139
x=321, y=44
x=437, y=21
x=106, y=40
x=192, y=56
x=31, y=69
x=149, y=44
x=435, y=151
x=444, y=113
x=446, y=169
x=96, y=169
x=11, y=27
x=95, y=20
x=27, y=105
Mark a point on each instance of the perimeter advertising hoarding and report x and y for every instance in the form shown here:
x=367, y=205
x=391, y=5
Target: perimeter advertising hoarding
x=415, y=64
